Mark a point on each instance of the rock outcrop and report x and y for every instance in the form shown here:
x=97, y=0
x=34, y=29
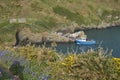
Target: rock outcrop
x=25, y=36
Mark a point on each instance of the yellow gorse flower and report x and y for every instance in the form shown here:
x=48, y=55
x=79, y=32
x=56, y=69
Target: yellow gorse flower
x=117, y=61
x=69, y=61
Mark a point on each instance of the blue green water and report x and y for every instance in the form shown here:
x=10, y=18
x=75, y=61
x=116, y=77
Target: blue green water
x=109, y=39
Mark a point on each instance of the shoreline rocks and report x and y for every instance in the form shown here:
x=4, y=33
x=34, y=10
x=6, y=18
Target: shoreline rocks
x=25, y=36
x=61, y=37
x=103, y=25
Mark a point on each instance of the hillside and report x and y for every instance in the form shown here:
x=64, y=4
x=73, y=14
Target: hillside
x=45, y=15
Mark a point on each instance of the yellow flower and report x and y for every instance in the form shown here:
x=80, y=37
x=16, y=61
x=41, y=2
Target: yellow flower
x=117, y=61
x=69, y=61
x=64, y=64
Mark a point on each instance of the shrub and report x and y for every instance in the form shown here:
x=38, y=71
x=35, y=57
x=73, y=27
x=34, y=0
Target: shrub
x=45, y=63
x=92, y=65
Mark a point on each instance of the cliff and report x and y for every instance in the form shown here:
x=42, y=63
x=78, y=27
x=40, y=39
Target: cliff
x=44, y=15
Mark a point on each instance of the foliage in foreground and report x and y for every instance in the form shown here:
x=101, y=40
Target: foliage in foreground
x=41, y=63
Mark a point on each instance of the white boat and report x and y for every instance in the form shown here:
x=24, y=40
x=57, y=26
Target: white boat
x=85, y=42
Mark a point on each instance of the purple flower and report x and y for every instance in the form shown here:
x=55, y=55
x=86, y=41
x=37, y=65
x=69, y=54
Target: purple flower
x=45, y=78
x=2, y=53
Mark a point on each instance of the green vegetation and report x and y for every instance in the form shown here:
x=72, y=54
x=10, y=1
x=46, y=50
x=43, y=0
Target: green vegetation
x=44, y=15
x=47, y=15
x=69, y=15
x=40, y=63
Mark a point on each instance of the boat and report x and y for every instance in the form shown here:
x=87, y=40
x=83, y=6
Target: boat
x=85, y=42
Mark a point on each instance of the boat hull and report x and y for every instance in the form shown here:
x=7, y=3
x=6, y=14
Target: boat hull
x=92, y=42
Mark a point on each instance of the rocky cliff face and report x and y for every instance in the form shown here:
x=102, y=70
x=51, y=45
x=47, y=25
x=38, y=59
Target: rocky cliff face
x=25, y=36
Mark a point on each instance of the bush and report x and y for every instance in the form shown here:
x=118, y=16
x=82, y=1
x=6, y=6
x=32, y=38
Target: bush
x=92, y=65
x=45, y=63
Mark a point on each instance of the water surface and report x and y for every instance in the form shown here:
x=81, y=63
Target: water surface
x=106, y=38
x=109, y=38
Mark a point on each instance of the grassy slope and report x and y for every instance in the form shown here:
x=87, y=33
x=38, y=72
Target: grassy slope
x=47, y=15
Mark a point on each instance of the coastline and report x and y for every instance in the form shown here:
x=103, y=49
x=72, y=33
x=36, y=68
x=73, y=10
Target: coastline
x=103, y=25
x=66, y=35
